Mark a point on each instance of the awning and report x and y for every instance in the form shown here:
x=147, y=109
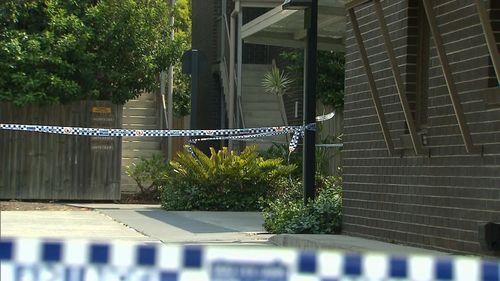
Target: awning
x=285, y=28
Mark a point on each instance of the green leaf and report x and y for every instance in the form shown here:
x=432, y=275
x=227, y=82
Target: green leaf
x=224, y=181
x=276, y=82
x=54, y=51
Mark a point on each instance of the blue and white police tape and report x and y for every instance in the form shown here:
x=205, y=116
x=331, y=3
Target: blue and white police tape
x=220, y=134
x=291, y=147
x=81, y=260
x=103, y=132
x=240, y=137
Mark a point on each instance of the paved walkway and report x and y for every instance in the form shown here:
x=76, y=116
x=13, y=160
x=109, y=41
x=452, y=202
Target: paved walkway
x=207, y=228
x=347, y=244
x=65, y=224
x=138, y=222
x=150, y=223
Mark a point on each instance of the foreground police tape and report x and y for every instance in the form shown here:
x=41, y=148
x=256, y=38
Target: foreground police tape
x=81, y=260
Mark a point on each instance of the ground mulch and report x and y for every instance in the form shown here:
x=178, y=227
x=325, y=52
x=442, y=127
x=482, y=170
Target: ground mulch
x=16, y=205
x=38, y=206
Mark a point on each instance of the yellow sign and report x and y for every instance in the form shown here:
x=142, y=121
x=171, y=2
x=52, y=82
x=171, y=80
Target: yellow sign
x=101, y=109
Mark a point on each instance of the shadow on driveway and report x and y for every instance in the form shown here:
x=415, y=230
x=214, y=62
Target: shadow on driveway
x=183, y=222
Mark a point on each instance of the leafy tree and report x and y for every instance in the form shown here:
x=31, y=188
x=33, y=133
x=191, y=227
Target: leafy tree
x=58, y=51
x=182, y=82
x=331, y=74
x=182, y=91
x=42, y=52
x=130, y=42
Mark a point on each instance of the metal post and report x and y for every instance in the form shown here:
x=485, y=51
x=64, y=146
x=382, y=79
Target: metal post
x=240, y=122
x=223, y=39
x=309, y=157
x=163, y=79
x=194, y=89
x=170, y=89
x=232, y=39
x=239, y=52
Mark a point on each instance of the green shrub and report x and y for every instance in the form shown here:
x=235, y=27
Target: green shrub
x=321, y=215
x=222, y=181
x=295, y=158
x=149, y=174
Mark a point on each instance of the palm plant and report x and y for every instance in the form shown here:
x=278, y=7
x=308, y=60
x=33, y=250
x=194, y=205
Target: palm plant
x=277, y=83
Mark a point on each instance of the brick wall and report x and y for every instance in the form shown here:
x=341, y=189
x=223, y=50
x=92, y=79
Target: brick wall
x=434, y=201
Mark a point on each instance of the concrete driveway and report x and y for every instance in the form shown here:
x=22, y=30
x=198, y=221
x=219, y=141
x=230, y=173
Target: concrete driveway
x=222, y=228
x=66, y=224
x=138, y=222
x=150, y=223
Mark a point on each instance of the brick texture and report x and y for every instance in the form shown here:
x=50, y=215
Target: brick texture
x=434, y=201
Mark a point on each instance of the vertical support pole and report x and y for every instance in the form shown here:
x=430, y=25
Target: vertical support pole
x=195, y=76
x=309, y=159
x=239, y=63
x=222, y=42
x=163, y=82
x=396, y=73
x=489, y=36
x=450, y=82
x=232, y=39
x=170, y=90
x=222, y=59
x=371, y=83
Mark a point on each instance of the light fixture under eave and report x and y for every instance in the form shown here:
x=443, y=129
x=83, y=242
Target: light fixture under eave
x=296, y=4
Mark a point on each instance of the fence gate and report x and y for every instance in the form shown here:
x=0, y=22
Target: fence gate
x=60, y=167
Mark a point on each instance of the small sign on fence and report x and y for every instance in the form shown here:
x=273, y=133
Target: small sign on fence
x=101, y=109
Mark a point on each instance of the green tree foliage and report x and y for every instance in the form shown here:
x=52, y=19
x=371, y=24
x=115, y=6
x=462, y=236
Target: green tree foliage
x=331, y=74
x=182, y=82
x=182, y=43
x=182, y=91
x=42, y=52
x=129, y=41
x=57, y=51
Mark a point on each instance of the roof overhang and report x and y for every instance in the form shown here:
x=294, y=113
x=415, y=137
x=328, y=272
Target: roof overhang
x=285, y=28
x=260, y=3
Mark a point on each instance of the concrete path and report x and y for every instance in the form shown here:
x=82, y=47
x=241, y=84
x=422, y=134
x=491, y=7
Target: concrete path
x=65, y=224
x=150, y=223
x=207, y=228
x=347, y=243
x=234, y=228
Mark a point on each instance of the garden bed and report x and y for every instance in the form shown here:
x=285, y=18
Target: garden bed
x=38, y=206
